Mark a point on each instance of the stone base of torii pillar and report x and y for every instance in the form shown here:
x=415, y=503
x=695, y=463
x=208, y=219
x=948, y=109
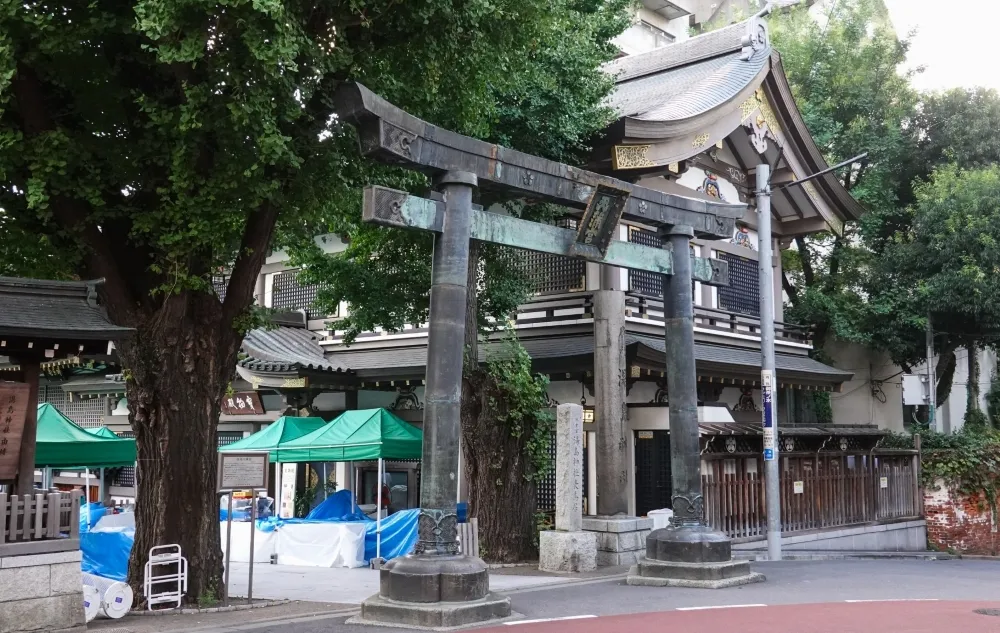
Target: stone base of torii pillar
x=568, y=548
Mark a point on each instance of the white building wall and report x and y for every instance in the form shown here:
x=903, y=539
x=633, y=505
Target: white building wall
x=875, y=395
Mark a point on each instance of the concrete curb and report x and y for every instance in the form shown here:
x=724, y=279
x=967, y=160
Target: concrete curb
x=269, y=622
x=801, y=555
x=226, y=609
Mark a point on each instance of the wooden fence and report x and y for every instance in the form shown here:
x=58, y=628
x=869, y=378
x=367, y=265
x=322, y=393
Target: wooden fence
x=817, y=492
x=39, y=517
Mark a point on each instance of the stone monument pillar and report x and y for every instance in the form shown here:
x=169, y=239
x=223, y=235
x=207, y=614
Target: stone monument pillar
x=620, y=537
x=687, y=553
x=568, y=548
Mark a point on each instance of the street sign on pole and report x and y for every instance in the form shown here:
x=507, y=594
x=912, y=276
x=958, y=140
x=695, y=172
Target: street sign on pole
x=767, y=412
x=238, y=472
x=243, y=471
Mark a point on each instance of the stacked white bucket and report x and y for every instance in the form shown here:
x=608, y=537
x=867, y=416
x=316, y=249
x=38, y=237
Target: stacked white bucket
x=102, y=596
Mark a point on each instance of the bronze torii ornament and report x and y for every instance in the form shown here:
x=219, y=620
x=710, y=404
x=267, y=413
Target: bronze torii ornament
x=435, y=586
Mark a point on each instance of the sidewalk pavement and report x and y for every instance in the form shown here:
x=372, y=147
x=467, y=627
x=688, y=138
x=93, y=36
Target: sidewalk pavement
x=219, y=622
x=353, y=586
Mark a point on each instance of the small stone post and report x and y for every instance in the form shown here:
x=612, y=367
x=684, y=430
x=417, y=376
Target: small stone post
x=568, y=548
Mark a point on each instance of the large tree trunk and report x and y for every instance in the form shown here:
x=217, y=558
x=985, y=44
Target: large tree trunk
x=500, y=494
x=179, y=364
x=972, y=389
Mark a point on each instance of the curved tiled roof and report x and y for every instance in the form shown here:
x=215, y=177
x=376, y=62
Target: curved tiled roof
x=285, y=349
x=693, y=90
x=54, y=309
x=689, y=51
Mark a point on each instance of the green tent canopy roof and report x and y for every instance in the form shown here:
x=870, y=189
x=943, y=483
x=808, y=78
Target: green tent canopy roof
x=282, y=430
x=356, y=436
x=103, y=431
x=60, y=443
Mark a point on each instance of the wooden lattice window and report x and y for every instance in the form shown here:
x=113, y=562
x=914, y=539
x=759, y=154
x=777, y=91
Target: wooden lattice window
x=289, y=294
x=742, y=295
x=220, y=283
x=643, y=282
x=86, y=412
x=554, y=273
x=225, y=438
x=545, y=489
x=126, y=476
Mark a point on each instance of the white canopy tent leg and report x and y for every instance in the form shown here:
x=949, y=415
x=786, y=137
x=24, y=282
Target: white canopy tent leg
x=378, y=519
x=277, y=489
x=101, y=487
x=86, y=496
x=326, y=495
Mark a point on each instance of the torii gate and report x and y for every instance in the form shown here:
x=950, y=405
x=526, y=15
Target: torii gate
x=435, y=586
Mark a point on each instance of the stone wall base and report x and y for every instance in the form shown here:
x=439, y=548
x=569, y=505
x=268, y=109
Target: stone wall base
x=620, y=540
x=41, y=592
x=902, y=536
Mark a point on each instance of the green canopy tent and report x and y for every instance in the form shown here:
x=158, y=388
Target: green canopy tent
x=61, y=443
x=359, y=436
x=356, y=436
x=283, y=430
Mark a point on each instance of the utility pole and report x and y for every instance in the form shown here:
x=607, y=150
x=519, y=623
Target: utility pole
x=768, y=400
x=768, y=378
x=931, y=386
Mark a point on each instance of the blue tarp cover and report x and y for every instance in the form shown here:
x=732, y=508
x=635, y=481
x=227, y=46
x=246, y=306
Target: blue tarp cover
x=338, y=507
x=106, y=554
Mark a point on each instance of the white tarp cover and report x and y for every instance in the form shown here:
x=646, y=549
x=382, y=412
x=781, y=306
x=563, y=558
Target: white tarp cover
x=321, y=544
x=263, y=543
x=301, y=544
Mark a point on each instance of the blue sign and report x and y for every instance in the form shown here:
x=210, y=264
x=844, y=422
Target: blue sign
x=768, y=454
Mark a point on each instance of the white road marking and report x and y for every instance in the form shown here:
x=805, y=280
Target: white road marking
x=571, y=617
x=721, y=606
x=897, y=600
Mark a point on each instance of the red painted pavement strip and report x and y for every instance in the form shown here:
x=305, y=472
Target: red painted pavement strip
x=833, y=617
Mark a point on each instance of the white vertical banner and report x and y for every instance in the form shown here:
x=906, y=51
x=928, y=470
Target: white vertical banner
x=286, y=508
x=767, y=412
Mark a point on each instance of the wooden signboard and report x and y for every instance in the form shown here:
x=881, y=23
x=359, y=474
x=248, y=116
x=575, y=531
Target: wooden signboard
x=242, y=403
x=13, y=410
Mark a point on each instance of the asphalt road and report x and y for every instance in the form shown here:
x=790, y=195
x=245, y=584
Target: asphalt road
x=839, y=584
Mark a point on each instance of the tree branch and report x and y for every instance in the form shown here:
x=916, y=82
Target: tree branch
x=790, y=290
x=29, y=94
x=253, y=251
x=807, y=268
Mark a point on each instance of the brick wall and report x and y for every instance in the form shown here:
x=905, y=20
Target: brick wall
x=960, y=523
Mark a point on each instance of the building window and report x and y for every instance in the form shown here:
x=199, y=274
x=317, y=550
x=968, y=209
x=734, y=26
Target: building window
x=289, y=294
x=549, y=274
x=643, y=282
x=742, y=295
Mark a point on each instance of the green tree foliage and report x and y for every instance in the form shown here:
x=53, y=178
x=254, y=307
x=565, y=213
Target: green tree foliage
x=946, y=261
x=958, y=126
x=845, y=64
x=154, y=143
x=844, y=67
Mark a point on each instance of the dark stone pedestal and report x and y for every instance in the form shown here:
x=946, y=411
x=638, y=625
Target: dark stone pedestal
x=434, y=592
x=690, y=556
